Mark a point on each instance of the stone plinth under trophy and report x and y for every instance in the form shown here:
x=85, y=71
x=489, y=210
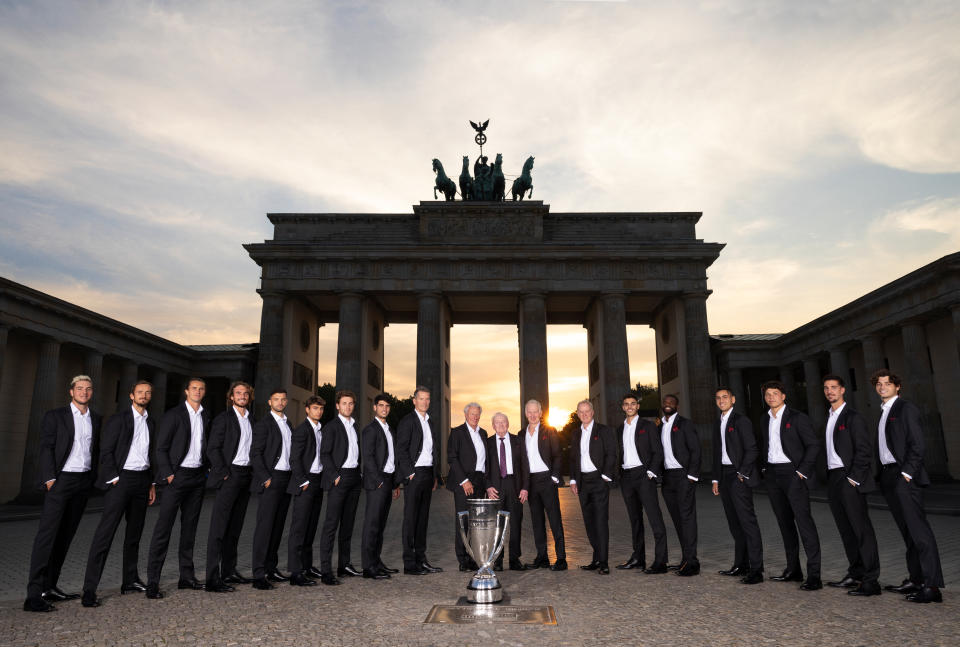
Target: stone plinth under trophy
x=484, y=529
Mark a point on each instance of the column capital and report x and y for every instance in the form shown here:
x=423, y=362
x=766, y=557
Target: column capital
x=699, y=294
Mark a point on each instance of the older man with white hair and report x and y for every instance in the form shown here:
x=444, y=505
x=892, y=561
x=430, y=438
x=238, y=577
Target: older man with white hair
x=467, y=457
x=507, y=481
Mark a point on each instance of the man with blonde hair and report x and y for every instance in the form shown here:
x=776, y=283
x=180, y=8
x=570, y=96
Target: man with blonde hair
x=540, y=451
x=467, y=457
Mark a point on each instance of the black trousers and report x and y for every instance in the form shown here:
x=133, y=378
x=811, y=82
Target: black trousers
x=849, y=508
x=544, y=504
x=342, y=500
x=375, y=515
x=128, y=498
x=906, y=505
x=303, y=526
x=509, y=502
x=63, y=507
x=639, y=495
x=680, y=496
x=594, y=495
x=417, y=493
x=271, y=516
x=790, y=499
x=737, y=500
x=460, y=504
x=184, y=495
x=226, y=523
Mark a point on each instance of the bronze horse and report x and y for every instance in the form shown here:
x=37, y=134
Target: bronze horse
x=466, y=182
x=443, y=183
x=523, y=183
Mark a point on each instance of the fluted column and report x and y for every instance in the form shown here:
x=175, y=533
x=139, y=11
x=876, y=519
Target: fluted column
x=270, y=353
x=615, y=373
x=872, y=354
x=348, y=343
x=45, y=397
x=128, y=375
x=840, y=362
x=158, y=401
x=430, y=367
x=918, y=386
x=815, y=400
x=786, y=376
x=699, y=365
x=735, y=375
x=532, y=338
x=93, y=367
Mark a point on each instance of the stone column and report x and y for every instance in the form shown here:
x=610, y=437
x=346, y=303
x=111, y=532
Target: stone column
x=270, y=354
x=532, y=338
x=815, y=401
x=430, y=368
x=840, y=363
x=955, y=313
x=348, y=343
x=128, y=375
x=46, y=392
x=615, y=373
x=735, y=375
x=4, y=333
x=872, y=355
x=918, y=386
x=699, y=366
x=93, y=367
x=786, y=376
x=158, y=401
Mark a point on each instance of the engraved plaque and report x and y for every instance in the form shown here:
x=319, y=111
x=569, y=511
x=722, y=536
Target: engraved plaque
x=450, y=614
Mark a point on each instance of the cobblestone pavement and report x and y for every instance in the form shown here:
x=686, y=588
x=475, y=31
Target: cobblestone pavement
x=624, y=608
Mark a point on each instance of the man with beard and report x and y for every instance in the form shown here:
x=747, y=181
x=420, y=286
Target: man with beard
x=681, y=471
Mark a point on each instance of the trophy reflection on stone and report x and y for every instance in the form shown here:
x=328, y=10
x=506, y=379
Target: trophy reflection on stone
x=484, y=529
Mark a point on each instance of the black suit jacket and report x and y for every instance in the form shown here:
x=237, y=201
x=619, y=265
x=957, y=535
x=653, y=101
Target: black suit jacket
x=56, y=441
x=646, y=438
x=685, y=444
x=410, y=442
x=851, y=441
x=603, y=452
x=741, y=448
x=904, y=433
x=374, y=452
x=223, y=443
x=519, y=476
x=334, y=446
x=799, y=443
x=173, y=440
x=303, y=451
x=115, y=445
x=461, y=455
x=548, y=442
x=265, y=450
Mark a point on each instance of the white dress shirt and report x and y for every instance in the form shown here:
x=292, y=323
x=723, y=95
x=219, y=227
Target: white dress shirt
x=80, y=459
x=316, y=466
x=833, y=459
x=389, y=467
x=426, y=451
x=353, y=447
x=478, y=445
x=666, y=439
x=508, y=453
x=775, y=453
x=533, y=452
x=138, y=458
x=283, y=463
x=724, y=457
x=886, y=456
x=194, y=455
x=242, y=457
x=630, y=456
x=586, y=463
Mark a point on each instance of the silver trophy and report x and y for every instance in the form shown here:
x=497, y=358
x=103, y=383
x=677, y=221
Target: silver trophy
x=484, y=529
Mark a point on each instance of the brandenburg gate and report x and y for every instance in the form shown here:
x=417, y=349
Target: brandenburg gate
x=485, y=262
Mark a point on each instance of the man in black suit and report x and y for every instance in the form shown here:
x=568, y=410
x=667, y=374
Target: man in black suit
x=418, y=459
x=467, y=458
x=540, y=453
x=641, y=463
x=181, y=472
x=735, y=475
x=849, y=478
x=340, y=453
x=681, y=471
x=379, y=460
x=902, y=479
x=788, y=456
x=270, y=455
x=507, y=482
x=69, y=446
x=306, y=487
x=228, y=451
x=593, y=464
x=128, y=441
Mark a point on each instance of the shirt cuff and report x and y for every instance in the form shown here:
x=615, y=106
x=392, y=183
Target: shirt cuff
x=801, y=474
x=651, y=474
x=555, y=479
x=307, y=482
x=606, y=478
x=694, y=478
x=852, y=481
x=743, y=476
x=907, y=475
x=464, y=481
x=572, y=481
x=115, y=479
x=715, y=481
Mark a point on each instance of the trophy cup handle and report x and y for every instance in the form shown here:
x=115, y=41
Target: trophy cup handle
x=503, y=533
x=462, y=518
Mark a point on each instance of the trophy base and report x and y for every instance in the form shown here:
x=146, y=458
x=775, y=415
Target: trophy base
x=484, y=589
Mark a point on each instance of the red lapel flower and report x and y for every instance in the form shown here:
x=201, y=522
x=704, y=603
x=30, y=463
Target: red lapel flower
x=641, y=431
x=729, y=428
x=543, y=437
x=596, y=437
x=891, y=418
x=788, y=425
x=842, y=427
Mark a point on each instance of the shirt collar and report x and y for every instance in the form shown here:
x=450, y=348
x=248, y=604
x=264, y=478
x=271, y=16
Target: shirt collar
x=190, y=409
x=383, y=423
x=836, y=412
x=535, y=429
x=670, y=419
x=627, y=423
x=471, y=429
x=316, y=427
x=885, y=405
x=139, y=415
x=279, y=418
x=776, y=417
x=587, y=428
x=425, y=417
x=76, y=411
x=345, y=421
x=242, y=416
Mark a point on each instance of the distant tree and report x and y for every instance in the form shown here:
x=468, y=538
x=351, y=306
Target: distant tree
x=327, y=391
x=649, y=398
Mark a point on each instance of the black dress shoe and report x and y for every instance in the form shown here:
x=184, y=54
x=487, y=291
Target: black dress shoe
x=236, y=578
x=866, y=589
x=218, y=587
x=656, y=569
x=56, y=595
x=846, y=583
x=38, y=605
x=262, y=584
x=811, y=584
x=153, y=592
x=906, y=588
x=329, y=579
x=688, y=570
x=90, y=600
x=464, y=567
x=674, y=567
x=559, y=565
x=389, y=571
x=734, y=570
x=348, y=570
x=539, y=562
x=788, y=576
x=603, y=569
x=135, y=586
x=592, y=566
x=276, y=576
x=753, y=578
x=313, y=572
x=431, y=569
x=301, y=580
x=415, y=571
x=192, y=583
x=517, y=565
x=633, y=562
x=375, y=575
x=926, y=594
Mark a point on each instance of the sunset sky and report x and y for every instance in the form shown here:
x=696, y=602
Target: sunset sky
x=143, y=143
